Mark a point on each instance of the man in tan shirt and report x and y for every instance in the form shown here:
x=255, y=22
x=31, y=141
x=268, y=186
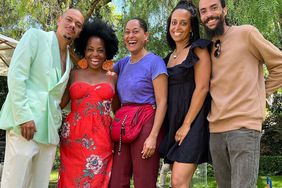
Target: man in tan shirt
x=239, y=92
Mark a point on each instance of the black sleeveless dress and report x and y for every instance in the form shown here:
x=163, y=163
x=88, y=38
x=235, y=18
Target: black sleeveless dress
x=181, y=85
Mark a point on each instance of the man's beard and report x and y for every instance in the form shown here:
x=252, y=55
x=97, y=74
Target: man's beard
x=67, y=38
x=218, y=30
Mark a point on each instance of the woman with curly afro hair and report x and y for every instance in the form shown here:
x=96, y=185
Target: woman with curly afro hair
x=86, y=148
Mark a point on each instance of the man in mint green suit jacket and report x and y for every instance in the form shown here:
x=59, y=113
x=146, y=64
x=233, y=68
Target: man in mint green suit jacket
x=37, y=77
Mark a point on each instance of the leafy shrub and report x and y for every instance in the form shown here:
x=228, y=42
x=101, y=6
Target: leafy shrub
x=271, y=140
x=56, y=163
x=210, y=170
x=270, y=166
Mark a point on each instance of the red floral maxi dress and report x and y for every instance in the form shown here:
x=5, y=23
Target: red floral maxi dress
x=86, y=148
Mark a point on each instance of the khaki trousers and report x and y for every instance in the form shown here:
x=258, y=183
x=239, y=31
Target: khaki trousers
x=27, y=164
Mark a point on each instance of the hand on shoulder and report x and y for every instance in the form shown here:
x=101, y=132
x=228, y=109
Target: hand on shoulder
x=112, y=75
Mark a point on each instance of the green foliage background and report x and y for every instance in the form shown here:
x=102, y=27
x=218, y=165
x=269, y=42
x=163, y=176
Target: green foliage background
x=271, y=141
x=270, y=165
x=19, y=15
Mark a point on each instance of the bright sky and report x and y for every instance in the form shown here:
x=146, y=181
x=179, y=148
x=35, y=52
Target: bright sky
x=118, y=4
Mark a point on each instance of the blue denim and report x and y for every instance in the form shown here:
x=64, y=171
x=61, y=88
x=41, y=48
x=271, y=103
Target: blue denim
x=235, y=156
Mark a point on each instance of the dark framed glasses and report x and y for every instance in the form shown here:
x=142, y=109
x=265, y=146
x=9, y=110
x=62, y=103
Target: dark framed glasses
x=217, y=46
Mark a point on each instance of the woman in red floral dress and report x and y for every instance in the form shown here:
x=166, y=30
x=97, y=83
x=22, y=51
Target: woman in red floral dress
x=86, y=148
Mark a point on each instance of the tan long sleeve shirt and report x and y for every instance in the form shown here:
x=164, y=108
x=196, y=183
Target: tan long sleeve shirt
x=238, y=87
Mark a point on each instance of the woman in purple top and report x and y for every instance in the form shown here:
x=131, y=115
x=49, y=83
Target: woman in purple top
x=142, y=79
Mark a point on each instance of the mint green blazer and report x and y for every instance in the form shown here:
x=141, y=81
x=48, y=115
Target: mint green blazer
x=36, y=86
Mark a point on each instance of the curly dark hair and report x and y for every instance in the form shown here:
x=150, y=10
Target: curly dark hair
x=97, y=28
x=186, y=5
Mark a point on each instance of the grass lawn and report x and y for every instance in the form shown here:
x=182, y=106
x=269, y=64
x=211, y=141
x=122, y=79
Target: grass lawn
x=261, y=183
x=276, y=181
x=54, y=177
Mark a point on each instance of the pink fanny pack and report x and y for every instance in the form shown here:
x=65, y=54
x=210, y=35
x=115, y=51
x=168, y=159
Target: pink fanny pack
x=129, y=120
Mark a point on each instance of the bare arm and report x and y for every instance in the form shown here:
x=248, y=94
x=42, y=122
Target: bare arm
x=116, y=101
x=202, y=78
x=66, y=96
x=160, y=89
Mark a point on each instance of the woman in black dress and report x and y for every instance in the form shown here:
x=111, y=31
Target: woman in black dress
x=186, y=143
